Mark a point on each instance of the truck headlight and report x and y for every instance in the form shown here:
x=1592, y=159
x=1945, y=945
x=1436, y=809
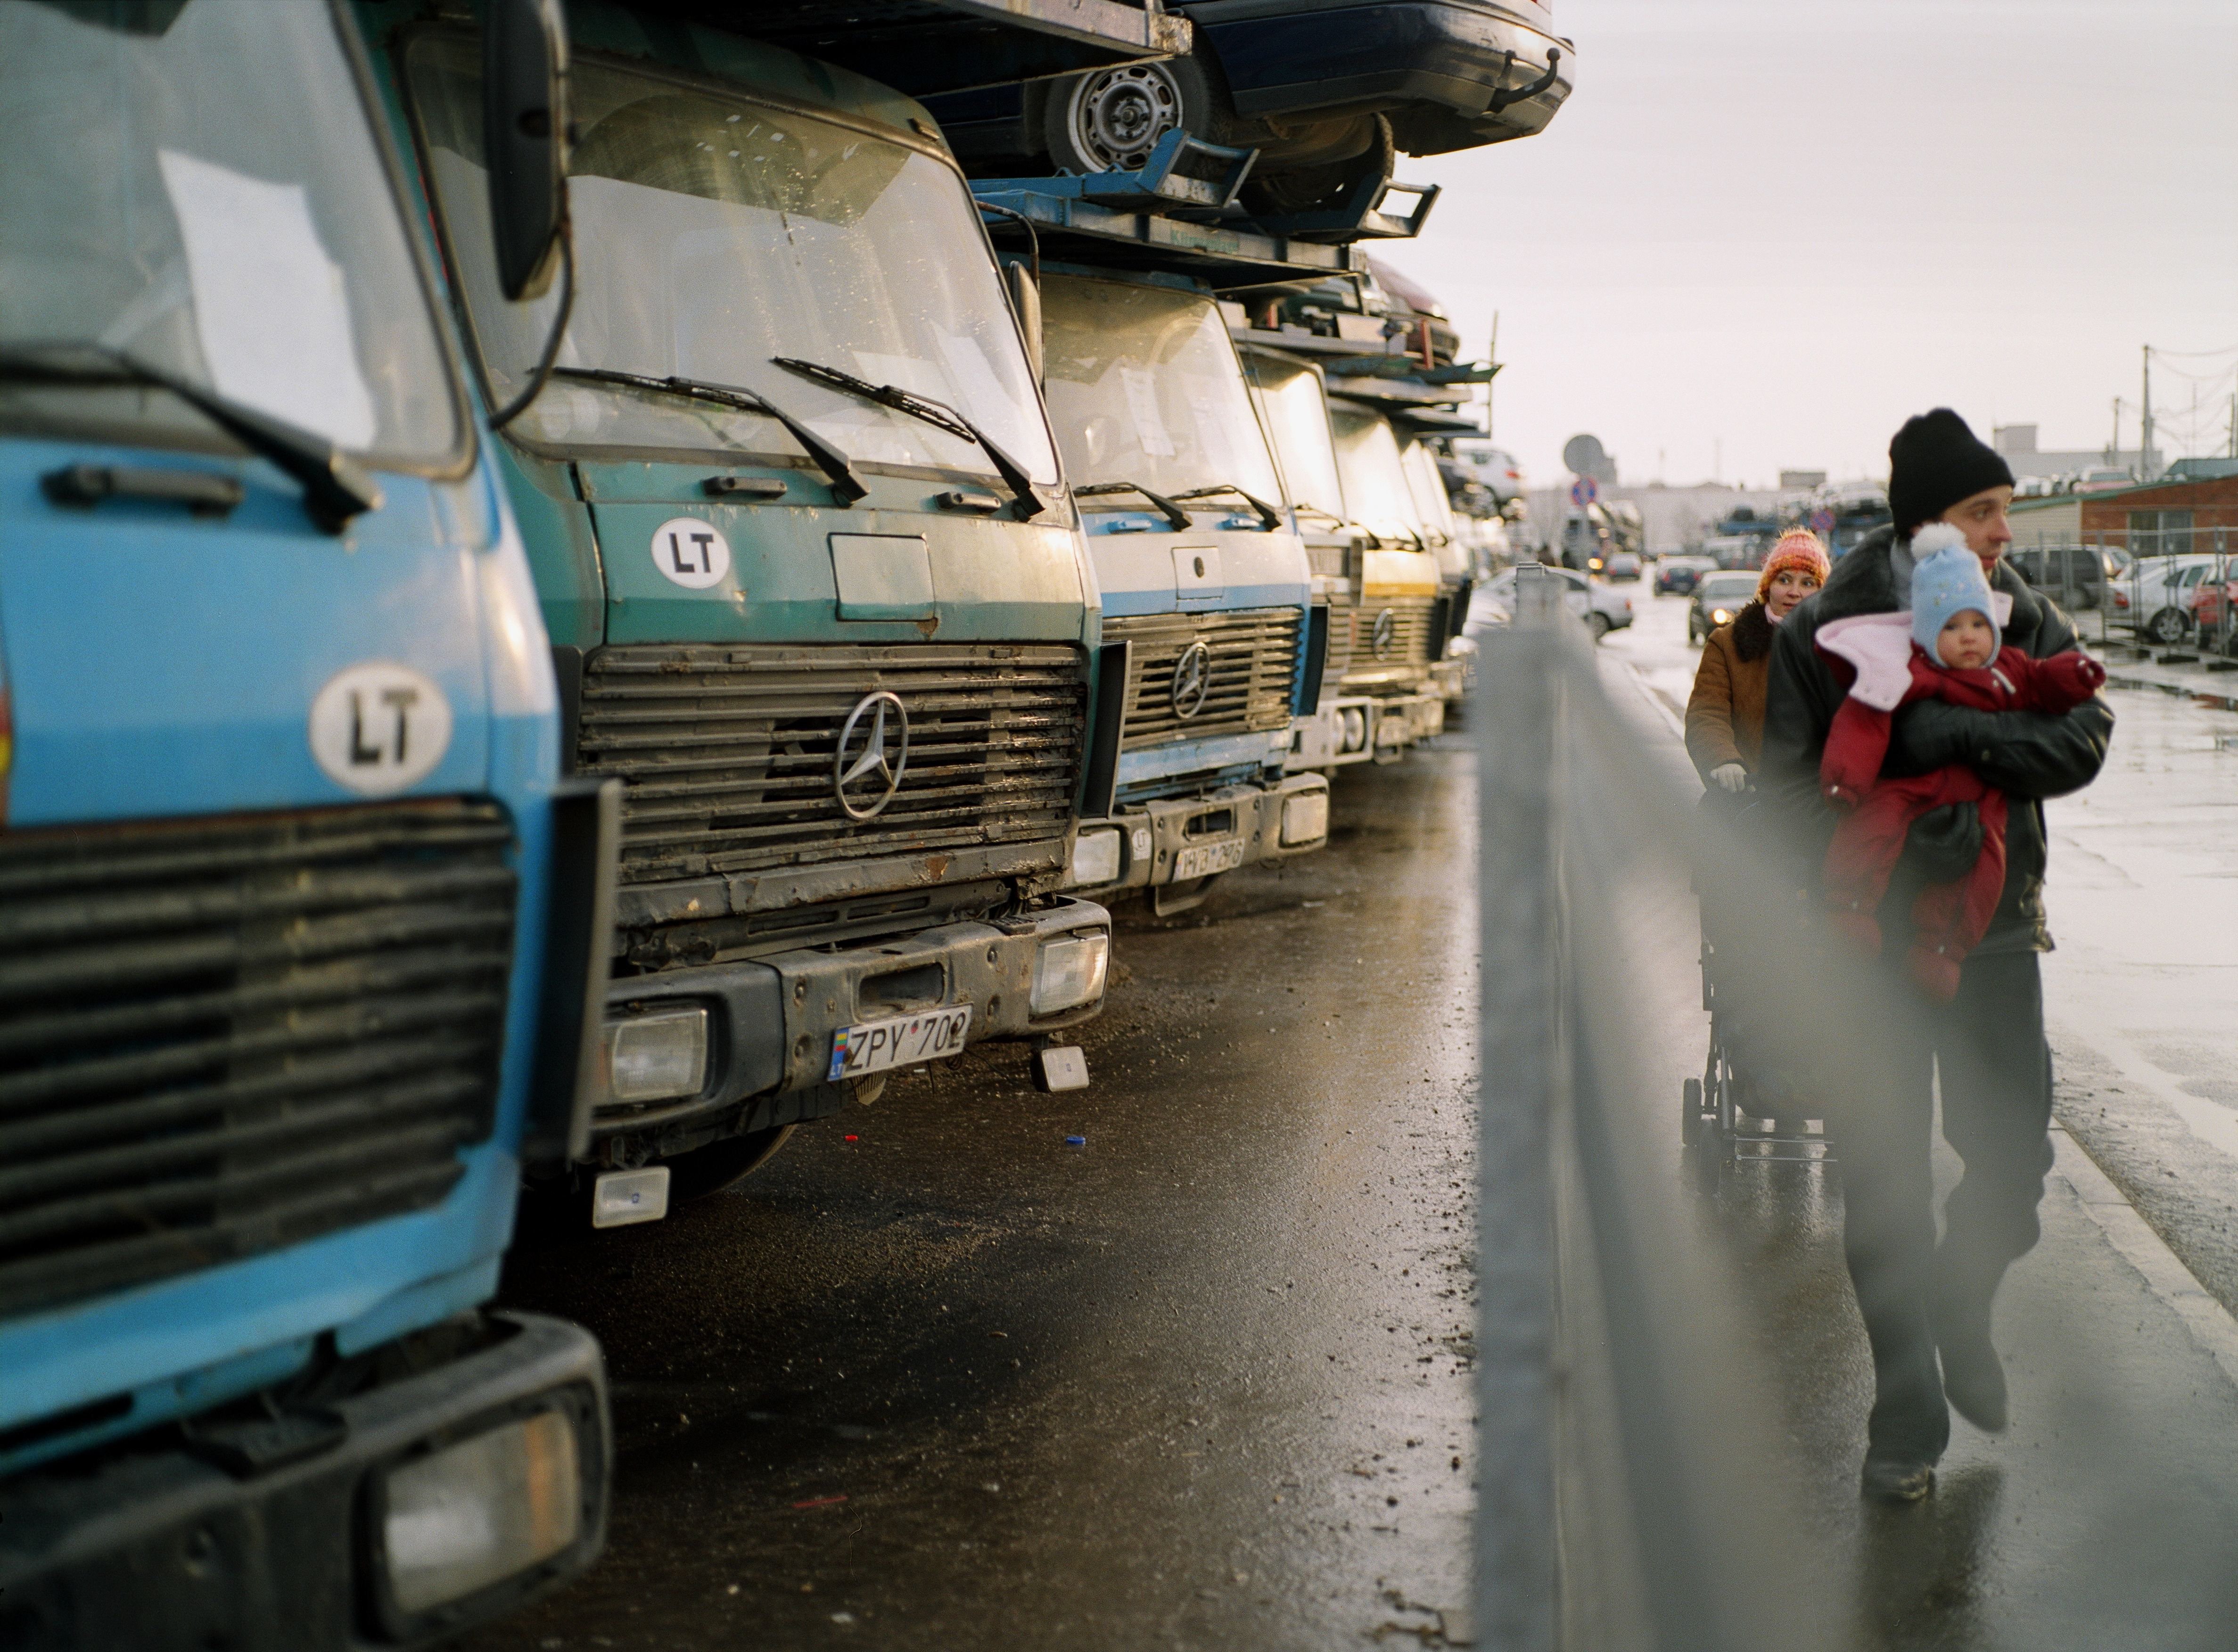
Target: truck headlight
x=1305, y=818
x=476, y=1513
x=1096, y=857
x=658, y=1055
x=1069, y=972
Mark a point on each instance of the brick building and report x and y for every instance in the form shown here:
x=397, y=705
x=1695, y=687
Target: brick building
x=2164, y=518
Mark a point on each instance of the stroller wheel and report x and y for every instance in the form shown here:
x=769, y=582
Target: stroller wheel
x=1690, y=1113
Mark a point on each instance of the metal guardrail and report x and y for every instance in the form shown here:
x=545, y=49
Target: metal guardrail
x=1617, y=1505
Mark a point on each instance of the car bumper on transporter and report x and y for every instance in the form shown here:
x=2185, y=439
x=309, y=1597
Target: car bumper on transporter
x=427, y=1498
x=1184, y=839
x=702, y=1051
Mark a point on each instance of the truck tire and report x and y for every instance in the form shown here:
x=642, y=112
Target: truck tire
x=722, y=1164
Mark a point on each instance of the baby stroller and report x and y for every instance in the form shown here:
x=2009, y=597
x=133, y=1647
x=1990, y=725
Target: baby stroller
x=1740, y=1108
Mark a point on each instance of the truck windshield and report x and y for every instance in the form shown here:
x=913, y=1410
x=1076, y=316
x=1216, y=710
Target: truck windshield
x=1144, y=386
x=1295, y=407
x=1375, y=475
x=195, y=185
x=1432, y=511
x=713, y=234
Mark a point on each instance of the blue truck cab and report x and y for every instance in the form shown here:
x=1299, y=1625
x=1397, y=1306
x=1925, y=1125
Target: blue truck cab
x=304, y=934
x=813, y=581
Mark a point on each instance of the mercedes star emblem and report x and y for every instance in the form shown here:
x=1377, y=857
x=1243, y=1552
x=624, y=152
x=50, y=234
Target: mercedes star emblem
x=1192, y=680
x=1386, y=632
x=866, y=773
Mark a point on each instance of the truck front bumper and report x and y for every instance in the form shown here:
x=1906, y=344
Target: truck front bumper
x=325, y=1531
x=1365, y=729
x=1182, y=840
x=769, y=1023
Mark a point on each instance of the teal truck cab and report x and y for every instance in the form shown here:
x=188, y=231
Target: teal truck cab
x=303, y=938
x=1206, y=588
x=815, y=588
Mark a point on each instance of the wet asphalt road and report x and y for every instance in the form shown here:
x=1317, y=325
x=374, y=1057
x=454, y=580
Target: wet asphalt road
x=934, y=1378
x=1206, y=1381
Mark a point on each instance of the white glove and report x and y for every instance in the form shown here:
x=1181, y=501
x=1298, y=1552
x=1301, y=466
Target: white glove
x=1731, y=776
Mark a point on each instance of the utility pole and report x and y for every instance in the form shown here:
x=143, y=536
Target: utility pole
x=2145, y=435
x=1491, y=360
x=2233, y=426
x=2114, y=447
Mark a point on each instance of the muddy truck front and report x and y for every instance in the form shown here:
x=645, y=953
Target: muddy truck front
x=816, y=590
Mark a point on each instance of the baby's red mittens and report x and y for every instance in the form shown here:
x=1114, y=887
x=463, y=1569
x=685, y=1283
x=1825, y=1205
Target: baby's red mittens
x=2076, y=675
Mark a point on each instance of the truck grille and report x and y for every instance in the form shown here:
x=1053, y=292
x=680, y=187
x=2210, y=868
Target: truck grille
x=1412, y=621
x=224, y=1035
x=1253, y=656
x=729, y=753
x=1340, y=640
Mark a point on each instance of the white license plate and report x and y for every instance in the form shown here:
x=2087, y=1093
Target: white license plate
x=876, y=1046
x=1202, y=860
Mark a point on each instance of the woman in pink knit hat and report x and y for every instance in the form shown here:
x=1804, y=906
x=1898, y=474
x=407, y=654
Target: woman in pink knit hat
x=1724, y=715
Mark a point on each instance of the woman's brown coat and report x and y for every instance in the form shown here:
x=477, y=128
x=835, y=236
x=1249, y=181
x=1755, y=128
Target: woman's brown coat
x=1724, y=715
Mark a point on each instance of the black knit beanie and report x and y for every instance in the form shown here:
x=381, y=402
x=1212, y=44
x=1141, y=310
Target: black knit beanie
x=1934, y=462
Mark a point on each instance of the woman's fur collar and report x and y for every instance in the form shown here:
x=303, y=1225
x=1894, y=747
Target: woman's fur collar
x=1752, y=632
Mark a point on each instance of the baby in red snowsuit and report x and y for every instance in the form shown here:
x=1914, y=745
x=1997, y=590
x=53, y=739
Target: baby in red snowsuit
x=1946, y=648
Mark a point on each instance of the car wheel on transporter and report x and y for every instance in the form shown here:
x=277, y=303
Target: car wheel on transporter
x=722, y=1164
x=2166, y=626
x=1110, y=120
x=1321, y=188
x=1598, y=624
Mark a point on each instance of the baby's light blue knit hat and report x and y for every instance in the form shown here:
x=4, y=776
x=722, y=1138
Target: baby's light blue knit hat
x=1946, y=579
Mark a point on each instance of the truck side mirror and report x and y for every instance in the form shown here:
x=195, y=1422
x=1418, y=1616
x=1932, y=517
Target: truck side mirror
x=1026, y=290
x=525, y=139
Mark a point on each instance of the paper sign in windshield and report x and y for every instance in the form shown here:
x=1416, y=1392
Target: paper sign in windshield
x=1142, y=406
x=271, y=308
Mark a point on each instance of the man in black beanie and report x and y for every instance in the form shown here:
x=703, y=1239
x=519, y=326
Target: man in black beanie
x=1919, y=1301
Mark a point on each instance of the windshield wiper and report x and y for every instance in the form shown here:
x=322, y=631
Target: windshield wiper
x=1269, y=517
x=335, y=490
x=1176, y=516
x=826, y=458
x=938, y=414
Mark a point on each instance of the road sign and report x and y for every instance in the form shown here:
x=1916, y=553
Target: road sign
x=1584, y=455
x=1822, y=521
x=1584, y=492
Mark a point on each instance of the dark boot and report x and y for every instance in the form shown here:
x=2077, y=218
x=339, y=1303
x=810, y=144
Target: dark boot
x=1973, y=1376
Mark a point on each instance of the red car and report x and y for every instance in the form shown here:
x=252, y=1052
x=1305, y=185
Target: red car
x=2208, y=602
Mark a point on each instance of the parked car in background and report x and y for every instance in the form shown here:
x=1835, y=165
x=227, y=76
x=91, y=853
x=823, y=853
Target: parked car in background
x=1623, y=565
x=1677, y=574
x=2154, y=596
x=1602, y=608
x=1717, y=598
x=2210, y=611
x=1494, y=469
x=2033, y=488
x=2103, y=479
x=2074, y=576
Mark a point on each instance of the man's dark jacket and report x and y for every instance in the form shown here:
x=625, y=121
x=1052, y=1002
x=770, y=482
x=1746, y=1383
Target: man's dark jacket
x=2026, y=756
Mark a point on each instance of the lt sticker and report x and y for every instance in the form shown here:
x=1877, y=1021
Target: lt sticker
x=378, y=727
x=691, y=553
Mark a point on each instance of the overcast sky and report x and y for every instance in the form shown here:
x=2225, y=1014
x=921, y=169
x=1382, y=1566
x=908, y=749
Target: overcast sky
x=1784, y=225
